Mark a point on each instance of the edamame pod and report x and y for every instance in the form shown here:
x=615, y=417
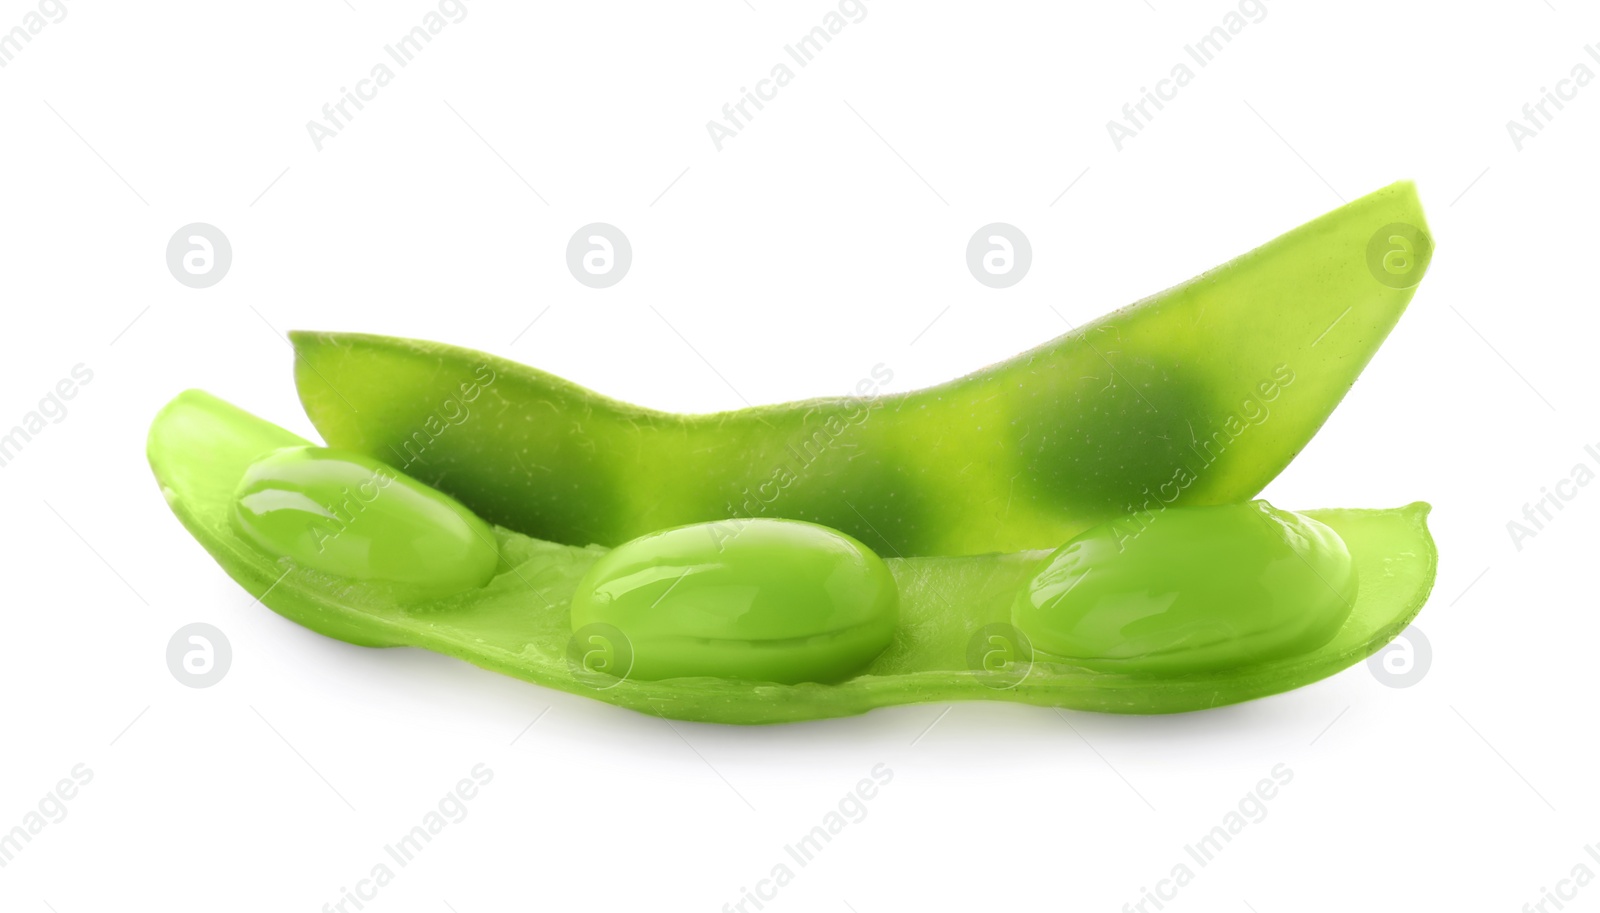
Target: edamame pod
x=953, y=613
x=1198, y=395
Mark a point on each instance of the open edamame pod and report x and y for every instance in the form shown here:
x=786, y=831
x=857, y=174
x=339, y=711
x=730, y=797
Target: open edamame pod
x=1198, y=395
x=292, y=524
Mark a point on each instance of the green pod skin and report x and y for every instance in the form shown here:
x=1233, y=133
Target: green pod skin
x=759, y=600
x=1198, y=395
x=950, y=608
x=1188, y=590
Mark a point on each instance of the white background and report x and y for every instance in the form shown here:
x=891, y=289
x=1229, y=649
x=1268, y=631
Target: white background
x=826, y=237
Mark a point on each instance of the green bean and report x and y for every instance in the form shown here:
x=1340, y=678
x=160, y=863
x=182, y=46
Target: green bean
x=1191, y=589
x=761, y=600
